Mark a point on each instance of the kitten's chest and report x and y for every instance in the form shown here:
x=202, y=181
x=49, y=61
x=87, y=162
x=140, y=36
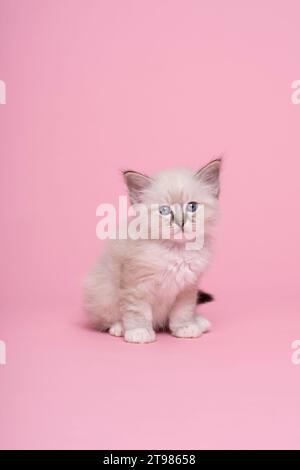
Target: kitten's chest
x=174, y=278
x=177, y=273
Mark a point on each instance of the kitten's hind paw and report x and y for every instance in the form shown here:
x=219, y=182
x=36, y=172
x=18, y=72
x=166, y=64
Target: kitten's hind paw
x=116, y=329
x=139, y=335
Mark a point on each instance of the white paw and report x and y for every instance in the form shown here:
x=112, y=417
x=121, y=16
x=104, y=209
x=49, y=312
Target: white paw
x=139, y=335
x=191, y=330
x=116, y=329
x=204, y=324
x=194, y=329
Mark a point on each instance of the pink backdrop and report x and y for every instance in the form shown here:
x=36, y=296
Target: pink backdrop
x=97, y=86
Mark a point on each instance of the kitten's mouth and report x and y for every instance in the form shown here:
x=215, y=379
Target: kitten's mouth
x=182, y=236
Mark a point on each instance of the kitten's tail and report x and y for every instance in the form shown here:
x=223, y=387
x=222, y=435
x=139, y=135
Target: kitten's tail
x=203, y=297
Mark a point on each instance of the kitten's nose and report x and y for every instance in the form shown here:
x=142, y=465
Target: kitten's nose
x=179, y=216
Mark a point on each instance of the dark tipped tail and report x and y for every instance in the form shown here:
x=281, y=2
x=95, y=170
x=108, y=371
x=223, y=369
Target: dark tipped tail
x=203, y=297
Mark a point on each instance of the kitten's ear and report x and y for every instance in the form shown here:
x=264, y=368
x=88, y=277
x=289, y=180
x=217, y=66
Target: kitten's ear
x=210, y=175
x=136, y=184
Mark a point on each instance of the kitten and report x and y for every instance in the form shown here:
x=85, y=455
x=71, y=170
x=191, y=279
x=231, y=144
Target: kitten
x=140, y=286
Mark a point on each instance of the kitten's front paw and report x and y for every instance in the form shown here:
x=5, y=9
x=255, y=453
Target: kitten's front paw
x=193, y=329
x=204, y=324
x=139, y=335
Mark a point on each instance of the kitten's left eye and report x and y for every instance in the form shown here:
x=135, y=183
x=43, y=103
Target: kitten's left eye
x=164, y=210
x=192, y=206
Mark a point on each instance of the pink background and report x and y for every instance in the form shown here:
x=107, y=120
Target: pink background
x=97, y=86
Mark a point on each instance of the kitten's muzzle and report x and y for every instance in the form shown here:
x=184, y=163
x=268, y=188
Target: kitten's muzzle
x=178, y=216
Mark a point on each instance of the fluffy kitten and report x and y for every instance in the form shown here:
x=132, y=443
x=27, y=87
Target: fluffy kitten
x=140, y=286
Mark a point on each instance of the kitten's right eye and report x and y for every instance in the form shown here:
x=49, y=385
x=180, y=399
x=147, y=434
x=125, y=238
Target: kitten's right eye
x=164, y=210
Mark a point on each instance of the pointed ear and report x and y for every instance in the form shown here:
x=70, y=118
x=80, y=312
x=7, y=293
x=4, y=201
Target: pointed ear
x=136, y=184
x=210, y=175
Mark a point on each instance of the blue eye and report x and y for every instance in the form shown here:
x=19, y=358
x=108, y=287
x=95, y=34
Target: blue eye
x=164, y=210
x=192, y=206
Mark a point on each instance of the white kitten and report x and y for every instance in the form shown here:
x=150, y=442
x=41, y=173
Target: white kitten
x=139, y=286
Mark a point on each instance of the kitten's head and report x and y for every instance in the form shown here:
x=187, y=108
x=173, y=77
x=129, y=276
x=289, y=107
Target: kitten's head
x=173, y=198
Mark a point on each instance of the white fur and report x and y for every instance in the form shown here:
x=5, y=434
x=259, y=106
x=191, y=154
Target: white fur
x=140, y=286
